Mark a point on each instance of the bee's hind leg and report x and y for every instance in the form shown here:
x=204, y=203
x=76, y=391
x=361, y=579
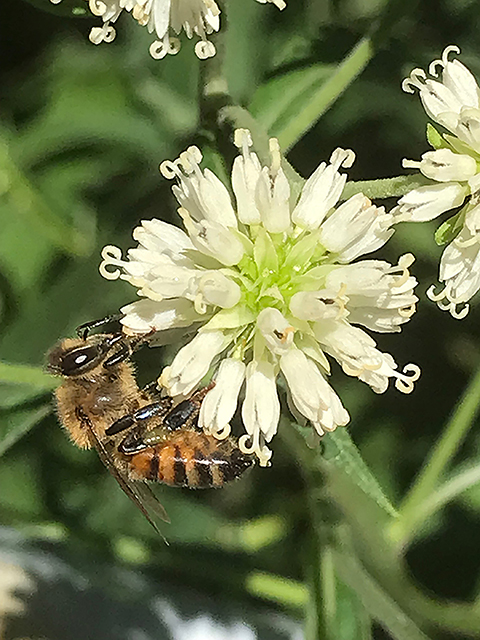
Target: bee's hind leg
x=154, y=410
x=185, y=414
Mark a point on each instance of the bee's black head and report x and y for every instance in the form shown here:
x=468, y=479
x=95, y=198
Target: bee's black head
x=75, y=357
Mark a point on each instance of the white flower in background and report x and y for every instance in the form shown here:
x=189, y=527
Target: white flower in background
x=163, y=18
x=14, y=584
x=201, y=627
x=268, y=287
x=454, y=103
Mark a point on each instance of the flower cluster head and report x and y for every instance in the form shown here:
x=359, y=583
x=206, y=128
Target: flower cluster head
x=452, y=99
x=270, y=285
x=163, y=17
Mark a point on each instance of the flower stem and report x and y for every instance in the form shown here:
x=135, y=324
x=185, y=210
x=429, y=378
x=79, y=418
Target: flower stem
x=385, y=187
x=410, y=514
x=11, y=373
x=329, y=91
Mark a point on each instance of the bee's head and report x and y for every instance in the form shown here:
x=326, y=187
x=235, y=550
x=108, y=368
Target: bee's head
x=74, y=356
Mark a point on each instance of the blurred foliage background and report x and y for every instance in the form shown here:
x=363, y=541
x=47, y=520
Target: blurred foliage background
x=82, y=132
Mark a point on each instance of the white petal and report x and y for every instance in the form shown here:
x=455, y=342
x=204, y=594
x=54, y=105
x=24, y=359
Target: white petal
x=205, y=197
x=427, y=203
x=311, y=393
x=216, y=289
x=355, y=228
x=461, y=83
x=215, y=240
x=160, y=236
x=275, y=329
x=220, y=402
x=272, y=198
x=315, y=305
x=144, y=315
x=319, y=194
x=261, y=407
x=161, y=17
x=358, y=356
x=245, y=173
x=438, y=99
x=193, y=361
x=466, y=126
x=443, y=165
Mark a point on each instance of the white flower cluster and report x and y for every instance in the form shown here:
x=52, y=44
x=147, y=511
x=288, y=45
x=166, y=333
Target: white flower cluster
x=267, y=285
x=199, y=17
x=454, y=103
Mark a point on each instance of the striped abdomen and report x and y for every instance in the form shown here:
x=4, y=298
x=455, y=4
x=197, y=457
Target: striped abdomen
x=191, y=459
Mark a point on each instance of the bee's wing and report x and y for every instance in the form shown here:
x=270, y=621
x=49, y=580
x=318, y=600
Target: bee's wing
x=139, y=492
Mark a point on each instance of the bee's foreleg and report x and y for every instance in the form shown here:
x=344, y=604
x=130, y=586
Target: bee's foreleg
x=84, y=329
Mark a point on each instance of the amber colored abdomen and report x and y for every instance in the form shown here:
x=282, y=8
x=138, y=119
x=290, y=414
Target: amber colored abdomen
x=190, y=459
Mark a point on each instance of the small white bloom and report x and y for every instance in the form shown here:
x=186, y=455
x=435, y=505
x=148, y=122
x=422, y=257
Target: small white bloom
x=147, y=315
x=275, y=330
x=453, y=102
x=163, y=18
x=311, y=393
x=13, y=579
x=281, y=4
x=358, y=356
x=258, y=293
x=444, y=166
x=322, y=191
x=355, y=228
x=427, y=203
x=220, y=402
x=192, y=362
x=261, y=408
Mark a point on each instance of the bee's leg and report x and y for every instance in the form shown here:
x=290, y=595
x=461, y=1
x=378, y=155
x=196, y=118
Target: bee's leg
x=155, y=410
x=128, y=344
x=133, y=442
x=84, y=329
x=185, y=414
x=152, y=391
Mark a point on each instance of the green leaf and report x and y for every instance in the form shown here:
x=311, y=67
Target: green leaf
x=13, y=426
x=277, y=589
x=280, y=97
x=447, y=231
x=437, y=462
x=264, y=253
x=238, y=316
x=341, y=452
x=311, y=107
x=23, y=374
x=435, y=139
x=376, y=600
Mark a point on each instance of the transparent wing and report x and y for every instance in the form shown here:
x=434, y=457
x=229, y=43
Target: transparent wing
x=138, y=492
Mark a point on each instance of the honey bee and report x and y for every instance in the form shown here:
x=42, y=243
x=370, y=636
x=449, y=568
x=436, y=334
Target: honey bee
x=140, y=435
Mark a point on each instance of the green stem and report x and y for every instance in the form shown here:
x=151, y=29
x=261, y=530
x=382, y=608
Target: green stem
x=312, y=106
x=23, y=197
x=385, y=187
x=446, y=447
x=322, y=99
x=448, y=491
x=23, y=374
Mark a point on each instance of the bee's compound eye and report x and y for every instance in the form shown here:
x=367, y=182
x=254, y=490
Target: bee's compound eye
x=79, y=359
